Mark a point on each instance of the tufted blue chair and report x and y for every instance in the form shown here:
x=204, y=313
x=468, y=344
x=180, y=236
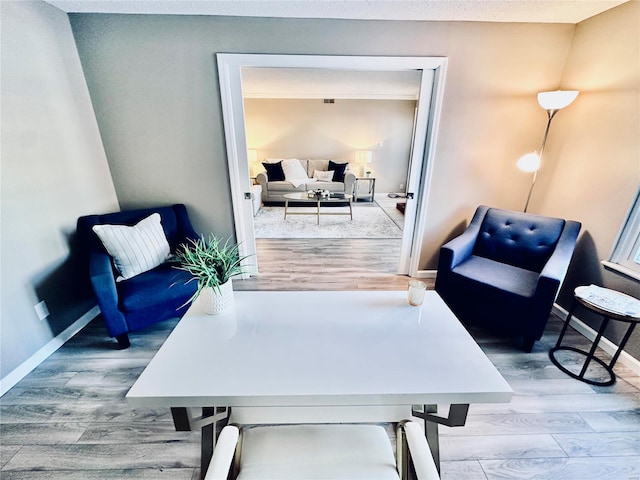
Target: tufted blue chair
x=152, y=296
x=505, y=270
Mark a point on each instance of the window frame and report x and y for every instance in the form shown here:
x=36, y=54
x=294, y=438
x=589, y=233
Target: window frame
x=625, y=256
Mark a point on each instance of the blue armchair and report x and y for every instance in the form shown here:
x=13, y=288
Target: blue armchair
x=149, y=297
x=504, y=272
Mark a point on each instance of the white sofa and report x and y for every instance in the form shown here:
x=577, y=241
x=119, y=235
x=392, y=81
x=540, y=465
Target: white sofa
x=273, y=191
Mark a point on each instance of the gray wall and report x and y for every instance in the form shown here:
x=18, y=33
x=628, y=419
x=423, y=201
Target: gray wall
x=53, y=170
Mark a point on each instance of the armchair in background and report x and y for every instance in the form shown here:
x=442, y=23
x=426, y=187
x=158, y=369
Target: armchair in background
x=155, y=294
x=505, y=270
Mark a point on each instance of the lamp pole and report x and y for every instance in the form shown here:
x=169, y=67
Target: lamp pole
x=551, y=114
x=552, y=102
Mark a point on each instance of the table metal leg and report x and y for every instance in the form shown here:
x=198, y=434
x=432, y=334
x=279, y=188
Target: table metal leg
x=350, y=209
x=318, y=212
x=589, y=356
x=208, y=424
x=622, y=345
x=457, y=418
x=431, y=432
x=208, y=441
x=286, y=205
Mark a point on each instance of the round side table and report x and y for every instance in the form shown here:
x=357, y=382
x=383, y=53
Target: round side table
x=611, y=305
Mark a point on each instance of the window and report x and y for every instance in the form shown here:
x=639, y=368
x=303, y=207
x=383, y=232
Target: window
x=626, y=253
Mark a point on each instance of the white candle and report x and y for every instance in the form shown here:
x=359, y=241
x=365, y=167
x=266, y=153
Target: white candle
x=416, y=292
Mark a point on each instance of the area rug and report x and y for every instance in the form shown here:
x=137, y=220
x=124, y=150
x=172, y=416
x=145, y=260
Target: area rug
x=369, y=221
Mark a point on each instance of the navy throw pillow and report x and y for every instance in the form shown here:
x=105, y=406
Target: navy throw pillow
x=274, y=171
x=339, y=168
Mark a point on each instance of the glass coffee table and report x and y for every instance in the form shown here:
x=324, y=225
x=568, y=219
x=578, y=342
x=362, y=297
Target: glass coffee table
x=303, y=197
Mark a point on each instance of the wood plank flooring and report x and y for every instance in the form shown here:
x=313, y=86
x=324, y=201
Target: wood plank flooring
x=69, y=420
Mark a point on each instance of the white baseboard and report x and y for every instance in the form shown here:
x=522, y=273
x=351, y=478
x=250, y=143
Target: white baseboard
x=605, y=344
x=426, y=274
x=11, y=379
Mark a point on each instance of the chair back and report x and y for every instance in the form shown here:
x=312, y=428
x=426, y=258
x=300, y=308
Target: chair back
x=168, y=216
x=519, y=239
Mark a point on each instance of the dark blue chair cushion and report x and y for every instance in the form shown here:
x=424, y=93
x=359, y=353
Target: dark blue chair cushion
x=164, y=285
x=518, y=239
x=500, y=276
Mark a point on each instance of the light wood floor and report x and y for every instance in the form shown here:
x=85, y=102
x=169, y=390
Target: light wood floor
x=68, y=419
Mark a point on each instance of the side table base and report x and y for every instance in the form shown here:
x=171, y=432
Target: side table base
x=612, y=376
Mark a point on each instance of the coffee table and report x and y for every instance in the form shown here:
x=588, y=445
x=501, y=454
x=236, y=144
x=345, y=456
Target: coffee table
x=325, y=356
x=303, y=197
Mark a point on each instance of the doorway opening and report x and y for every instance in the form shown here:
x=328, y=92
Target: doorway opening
x=431, y=72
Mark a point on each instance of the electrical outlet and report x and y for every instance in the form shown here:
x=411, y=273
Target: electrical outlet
x=41, y=310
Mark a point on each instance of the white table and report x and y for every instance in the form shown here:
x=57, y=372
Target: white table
x=368, y=355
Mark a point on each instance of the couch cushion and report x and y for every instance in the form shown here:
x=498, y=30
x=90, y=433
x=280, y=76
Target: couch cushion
x=331, y=186
x=316, y=164
x=323, y=176
x=274, y=171
x=317, y=452
x=285, y=187
x=339, y=168
x=164, y=284
x=519, y=239
x=135, y=249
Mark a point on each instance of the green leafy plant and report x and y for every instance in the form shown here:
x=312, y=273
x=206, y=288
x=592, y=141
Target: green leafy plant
x=211, y=262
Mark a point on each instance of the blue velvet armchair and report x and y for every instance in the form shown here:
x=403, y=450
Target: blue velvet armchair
x=504, y=272
x=149, y=297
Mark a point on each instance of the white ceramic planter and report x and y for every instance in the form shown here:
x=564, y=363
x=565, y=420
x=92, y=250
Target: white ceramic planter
x=218, y=300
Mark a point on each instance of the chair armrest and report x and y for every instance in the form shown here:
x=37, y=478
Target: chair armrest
x=349, y=182
x=558, y=263
x=223, y=454
x=420, y=452
x=104, y=287
x=458, y=249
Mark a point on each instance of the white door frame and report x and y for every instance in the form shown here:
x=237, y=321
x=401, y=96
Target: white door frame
x=424, y=140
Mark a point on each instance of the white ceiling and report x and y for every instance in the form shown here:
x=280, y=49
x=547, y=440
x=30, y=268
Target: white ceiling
x=536, y=11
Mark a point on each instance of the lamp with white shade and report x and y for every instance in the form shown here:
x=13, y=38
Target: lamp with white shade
x=364, y=157
x=252, y=156
x=552, y=102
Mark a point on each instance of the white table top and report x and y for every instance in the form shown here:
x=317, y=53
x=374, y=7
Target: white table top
x=320, y=348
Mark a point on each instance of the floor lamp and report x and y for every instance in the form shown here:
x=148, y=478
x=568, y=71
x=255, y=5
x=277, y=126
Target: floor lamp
x=552, y=102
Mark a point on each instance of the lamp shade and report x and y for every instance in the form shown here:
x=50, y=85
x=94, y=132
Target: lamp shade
x=529, y=162
x=364, y=156
x=557, y=99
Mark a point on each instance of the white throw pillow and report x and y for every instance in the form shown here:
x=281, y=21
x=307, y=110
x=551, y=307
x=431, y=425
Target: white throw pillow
x=135, y=249
x=323, y=176
x=294, y=172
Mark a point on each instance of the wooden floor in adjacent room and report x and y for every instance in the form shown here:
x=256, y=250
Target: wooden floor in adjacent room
x=68, y=419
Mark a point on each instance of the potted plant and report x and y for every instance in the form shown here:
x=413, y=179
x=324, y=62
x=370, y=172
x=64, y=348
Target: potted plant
x=212, y=263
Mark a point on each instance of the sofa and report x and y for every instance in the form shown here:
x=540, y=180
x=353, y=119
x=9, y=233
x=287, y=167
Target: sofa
x=282, y=176
x=504, y=272
x=129, y=300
